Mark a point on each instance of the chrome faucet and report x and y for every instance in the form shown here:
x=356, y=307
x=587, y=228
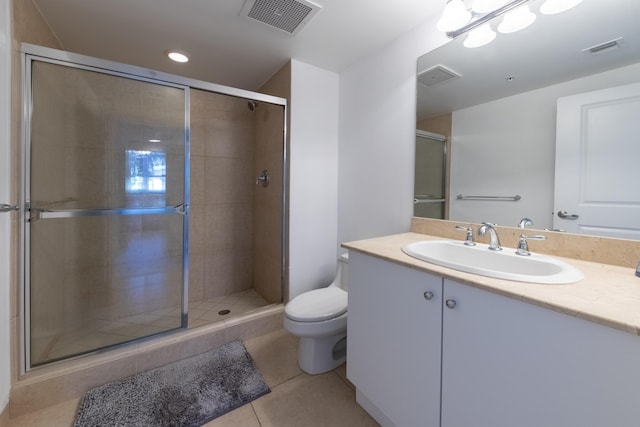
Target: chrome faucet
x=494, y=244
x=525, y=222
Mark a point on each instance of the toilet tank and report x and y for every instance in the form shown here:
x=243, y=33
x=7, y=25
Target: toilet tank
x=342, y=274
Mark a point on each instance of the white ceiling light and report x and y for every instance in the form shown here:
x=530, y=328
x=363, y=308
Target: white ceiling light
x=480, y=36
x=178, y=56
x=551, y=7
x=485, y=6
x=516, y=20
x=454, y=16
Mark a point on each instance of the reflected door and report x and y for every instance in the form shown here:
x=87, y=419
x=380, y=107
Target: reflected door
x=429, y=186
x=106, y=252
x=597, y=172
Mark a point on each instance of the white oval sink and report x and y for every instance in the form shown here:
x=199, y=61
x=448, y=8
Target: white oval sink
x=504, y=264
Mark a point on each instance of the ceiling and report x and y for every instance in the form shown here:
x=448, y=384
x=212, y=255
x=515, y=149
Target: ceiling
x=227, y=48
x=548, y=52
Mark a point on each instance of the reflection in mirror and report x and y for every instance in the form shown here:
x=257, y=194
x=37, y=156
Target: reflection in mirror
x=499, y=110
x=430, y=173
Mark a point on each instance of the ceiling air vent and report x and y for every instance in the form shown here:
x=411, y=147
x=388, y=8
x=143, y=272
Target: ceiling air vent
x=602, y=47
x=289, y=16
x=436, y=75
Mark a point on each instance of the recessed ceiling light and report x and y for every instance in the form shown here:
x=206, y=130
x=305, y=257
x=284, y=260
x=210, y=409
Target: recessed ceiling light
x=177, y=56
x=154, y=140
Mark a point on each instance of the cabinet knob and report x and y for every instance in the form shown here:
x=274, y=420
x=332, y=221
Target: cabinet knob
x=428, y=295
x=450, y=303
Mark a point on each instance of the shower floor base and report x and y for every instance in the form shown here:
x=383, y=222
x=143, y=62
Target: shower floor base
x=215, y=309
x=104, y=333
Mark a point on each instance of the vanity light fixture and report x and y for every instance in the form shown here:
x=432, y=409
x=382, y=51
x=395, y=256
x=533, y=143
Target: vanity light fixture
x=457, y=20
x=551, y=7
x=454, y=15
x=480, y=36
x=177, y=56
x=517, y=20
x=486, y=6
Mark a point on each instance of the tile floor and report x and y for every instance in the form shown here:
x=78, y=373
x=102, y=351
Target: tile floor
x=101, y=334
x=296, y=399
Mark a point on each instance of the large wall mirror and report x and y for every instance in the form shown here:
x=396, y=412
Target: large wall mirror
x=543, y=123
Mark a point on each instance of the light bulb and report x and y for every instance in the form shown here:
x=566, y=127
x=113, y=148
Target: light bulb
x=516, y=20
x=480, y=36
x=551, y=7
x=454, y=16
x=486, y=6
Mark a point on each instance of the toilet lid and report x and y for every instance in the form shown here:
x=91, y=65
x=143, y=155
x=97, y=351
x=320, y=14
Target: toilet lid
x=316, y=305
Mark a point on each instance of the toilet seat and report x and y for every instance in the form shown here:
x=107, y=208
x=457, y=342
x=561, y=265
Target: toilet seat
x=317, y=305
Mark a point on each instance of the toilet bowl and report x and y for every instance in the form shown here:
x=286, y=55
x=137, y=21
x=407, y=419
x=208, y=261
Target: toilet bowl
x=319, y=319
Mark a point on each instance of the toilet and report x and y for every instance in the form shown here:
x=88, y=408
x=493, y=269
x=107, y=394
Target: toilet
x=319, y=319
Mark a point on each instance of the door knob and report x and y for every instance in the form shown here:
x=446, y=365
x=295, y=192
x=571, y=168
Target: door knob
x=428, y=295
x=566, y=215
x=450, y=303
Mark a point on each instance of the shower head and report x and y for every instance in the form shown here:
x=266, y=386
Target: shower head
x=252, y=105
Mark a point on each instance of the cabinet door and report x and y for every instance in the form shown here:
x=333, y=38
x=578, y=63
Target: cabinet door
x=509, y=363
x=393, y=340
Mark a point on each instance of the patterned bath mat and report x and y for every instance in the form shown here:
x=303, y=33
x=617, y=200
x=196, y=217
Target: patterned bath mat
x=190, y=392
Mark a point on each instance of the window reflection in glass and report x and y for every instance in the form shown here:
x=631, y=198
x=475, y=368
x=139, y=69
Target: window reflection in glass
x=146, y=172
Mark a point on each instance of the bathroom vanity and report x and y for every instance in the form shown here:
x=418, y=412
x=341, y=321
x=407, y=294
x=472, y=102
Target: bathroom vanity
x=431, y=346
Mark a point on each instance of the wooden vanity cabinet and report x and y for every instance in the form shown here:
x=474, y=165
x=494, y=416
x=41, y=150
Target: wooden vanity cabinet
x=472, y=358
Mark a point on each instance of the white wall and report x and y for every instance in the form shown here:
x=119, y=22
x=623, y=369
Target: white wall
x=313, y=177
x=377, y=137
x=507, y=147
x=5, y=179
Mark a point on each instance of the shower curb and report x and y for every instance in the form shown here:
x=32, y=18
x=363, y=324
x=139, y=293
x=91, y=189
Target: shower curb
x=68, y=380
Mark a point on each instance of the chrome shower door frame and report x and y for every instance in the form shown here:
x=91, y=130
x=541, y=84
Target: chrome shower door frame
x=31, y=54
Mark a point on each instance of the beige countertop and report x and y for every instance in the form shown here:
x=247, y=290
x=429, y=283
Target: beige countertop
x=608, y=294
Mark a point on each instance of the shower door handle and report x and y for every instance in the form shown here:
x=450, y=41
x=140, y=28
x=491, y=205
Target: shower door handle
x=38, y=213
x=8, y=208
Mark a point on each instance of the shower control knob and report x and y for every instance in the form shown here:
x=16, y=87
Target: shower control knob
x=428, y=296
x=450, y=303
x=263, y=179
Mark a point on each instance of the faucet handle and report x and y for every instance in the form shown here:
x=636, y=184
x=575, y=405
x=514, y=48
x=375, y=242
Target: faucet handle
x=469, y=239
x=523, y=247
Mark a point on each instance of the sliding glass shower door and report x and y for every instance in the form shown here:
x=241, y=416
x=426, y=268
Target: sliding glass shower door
x=429, y=200
x=106, y=167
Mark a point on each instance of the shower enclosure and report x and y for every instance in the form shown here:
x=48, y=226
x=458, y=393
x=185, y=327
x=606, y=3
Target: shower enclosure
x=139, y=195
x=429, y=200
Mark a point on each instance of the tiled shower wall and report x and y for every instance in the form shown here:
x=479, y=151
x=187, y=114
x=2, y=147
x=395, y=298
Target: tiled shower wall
x=221, y=228
x=268, y=202
x=230, y=146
